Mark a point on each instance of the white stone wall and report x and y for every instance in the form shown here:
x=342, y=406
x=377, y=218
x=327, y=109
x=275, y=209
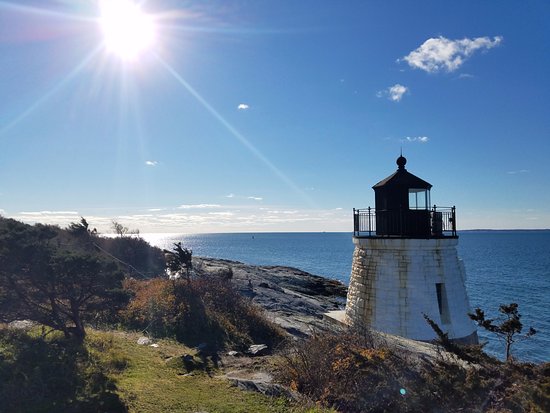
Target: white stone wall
x=393, y=282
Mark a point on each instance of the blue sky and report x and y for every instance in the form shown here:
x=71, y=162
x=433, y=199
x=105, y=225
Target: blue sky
x=274, y=115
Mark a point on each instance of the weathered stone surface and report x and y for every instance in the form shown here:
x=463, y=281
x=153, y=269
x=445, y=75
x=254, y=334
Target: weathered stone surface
x=144, y=341
x=267, y=388
x=22, y=324
x=258, y=350
x=393, y=284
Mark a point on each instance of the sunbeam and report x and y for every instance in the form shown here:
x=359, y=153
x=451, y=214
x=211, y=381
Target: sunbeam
x=234, y=131
x=40, y=101
x=43, y=12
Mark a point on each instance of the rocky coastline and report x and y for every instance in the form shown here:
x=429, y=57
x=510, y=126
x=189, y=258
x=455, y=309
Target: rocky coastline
x=294, y=299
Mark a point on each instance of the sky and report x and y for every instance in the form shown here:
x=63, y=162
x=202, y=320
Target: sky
x=252, y=115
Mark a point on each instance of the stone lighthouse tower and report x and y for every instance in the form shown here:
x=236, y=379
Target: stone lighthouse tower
x=406, y=265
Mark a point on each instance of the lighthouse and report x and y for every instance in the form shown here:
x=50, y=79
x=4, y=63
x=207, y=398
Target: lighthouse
x=405, y=264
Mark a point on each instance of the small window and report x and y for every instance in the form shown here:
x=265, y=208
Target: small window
x=442, y=303
x=418, y=198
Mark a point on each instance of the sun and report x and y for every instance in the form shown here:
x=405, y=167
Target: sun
x=127, y=31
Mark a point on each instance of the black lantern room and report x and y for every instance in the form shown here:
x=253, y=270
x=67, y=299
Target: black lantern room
x=403, y=209
x=403, y=204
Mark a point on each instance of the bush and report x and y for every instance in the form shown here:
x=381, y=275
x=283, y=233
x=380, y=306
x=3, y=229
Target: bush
x=206, y=309
x=55, y=375
x=140, y=258
x=353, y=373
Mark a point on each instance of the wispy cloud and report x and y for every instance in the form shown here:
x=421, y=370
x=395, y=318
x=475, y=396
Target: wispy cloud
x=243, y=106
x=48, y=217
x=521, y=171
x=199, y=218
x=438, y=54
x=394, y=93
x=255, y=198
x=419, y=139
x=230, y=196
x=48, y=213
x=465, y=76
x=151, y=163
x=199, y=206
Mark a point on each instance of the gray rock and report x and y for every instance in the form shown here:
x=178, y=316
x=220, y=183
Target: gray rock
x=269, y=389
x=144, y=341
x=258, y=350
x=292, y=298
x=233, y=353
x=21, y=324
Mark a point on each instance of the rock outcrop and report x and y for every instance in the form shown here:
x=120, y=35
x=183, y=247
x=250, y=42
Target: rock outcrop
x=294, y=299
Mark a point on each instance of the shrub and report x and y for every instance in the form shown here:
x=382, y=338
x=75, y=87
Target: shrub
x=139, y=258
x=54, y=375
x=206, y=309
x=354, y=373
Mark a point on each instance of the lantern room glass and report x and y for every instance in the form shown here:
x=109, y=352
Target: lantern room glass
x=419, y=198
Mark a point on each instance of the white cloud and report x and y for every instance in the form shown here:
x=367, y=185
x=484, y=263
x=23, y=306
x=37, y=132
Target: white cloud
x=230, y=196
x=521, y=171
x=465, y=76
x=255, y=198
x=2, y=212
x=243, y=106
x=151, y=163
x=49, y=213
x=199, y=206
x=420, y=139
x=156, y=209
x=437, y=54
x=394, y=93
x=288, y=212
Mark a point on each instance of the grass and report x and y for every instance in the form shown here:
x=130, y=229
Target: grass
x=112, y=373
x=147, y=383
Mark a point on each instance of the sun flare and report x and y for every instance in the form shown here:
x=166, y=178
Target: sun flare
x=127, y=31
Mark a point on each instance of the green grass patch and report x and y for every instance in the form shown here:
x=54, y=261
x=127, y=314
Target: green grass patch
x=149, y=382
x=111, y=373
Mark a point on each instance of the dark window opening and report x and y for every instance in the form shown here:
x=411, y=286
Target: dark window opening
x=442, y=303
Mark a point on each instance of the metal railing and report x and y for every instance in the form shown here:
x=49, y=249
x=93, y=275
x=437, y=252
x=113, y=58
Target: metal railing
x=437, y=222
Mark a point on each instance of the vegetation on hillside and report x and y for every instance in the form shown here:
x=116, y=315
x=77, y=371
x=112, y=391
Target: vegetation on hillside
x=353, y=372
x=54, y=277
x=111, y=373
x=201, y=310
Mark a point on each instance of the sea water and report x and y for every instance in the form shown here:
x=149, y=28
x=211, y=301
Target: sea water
x=501, y=267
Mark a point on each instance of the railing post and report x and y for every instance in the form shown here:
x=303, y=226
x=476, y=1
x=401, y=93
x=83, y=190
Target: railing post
x=453, y=214
x=369, y=218
x=354, y=222
x=433, y=221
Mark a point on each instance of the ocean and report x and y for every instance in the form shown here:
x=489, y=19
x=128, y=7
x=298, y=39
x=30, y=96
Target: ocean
x=501, y=267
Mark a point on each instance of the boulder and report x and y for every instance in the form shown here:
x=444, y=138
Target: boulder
x=144, y=341
x=258, y=350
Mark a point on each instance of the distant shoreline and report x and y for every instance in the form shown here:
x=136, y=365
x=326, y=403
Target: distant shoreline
x=168, y=234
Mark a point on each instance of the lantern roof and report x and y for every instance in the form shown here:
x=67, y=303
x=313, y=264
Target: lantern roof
x=402, y=178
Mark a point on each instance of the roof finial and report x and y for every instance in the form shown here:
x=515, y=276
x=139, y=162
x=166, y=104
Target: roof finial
x=401, y=161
